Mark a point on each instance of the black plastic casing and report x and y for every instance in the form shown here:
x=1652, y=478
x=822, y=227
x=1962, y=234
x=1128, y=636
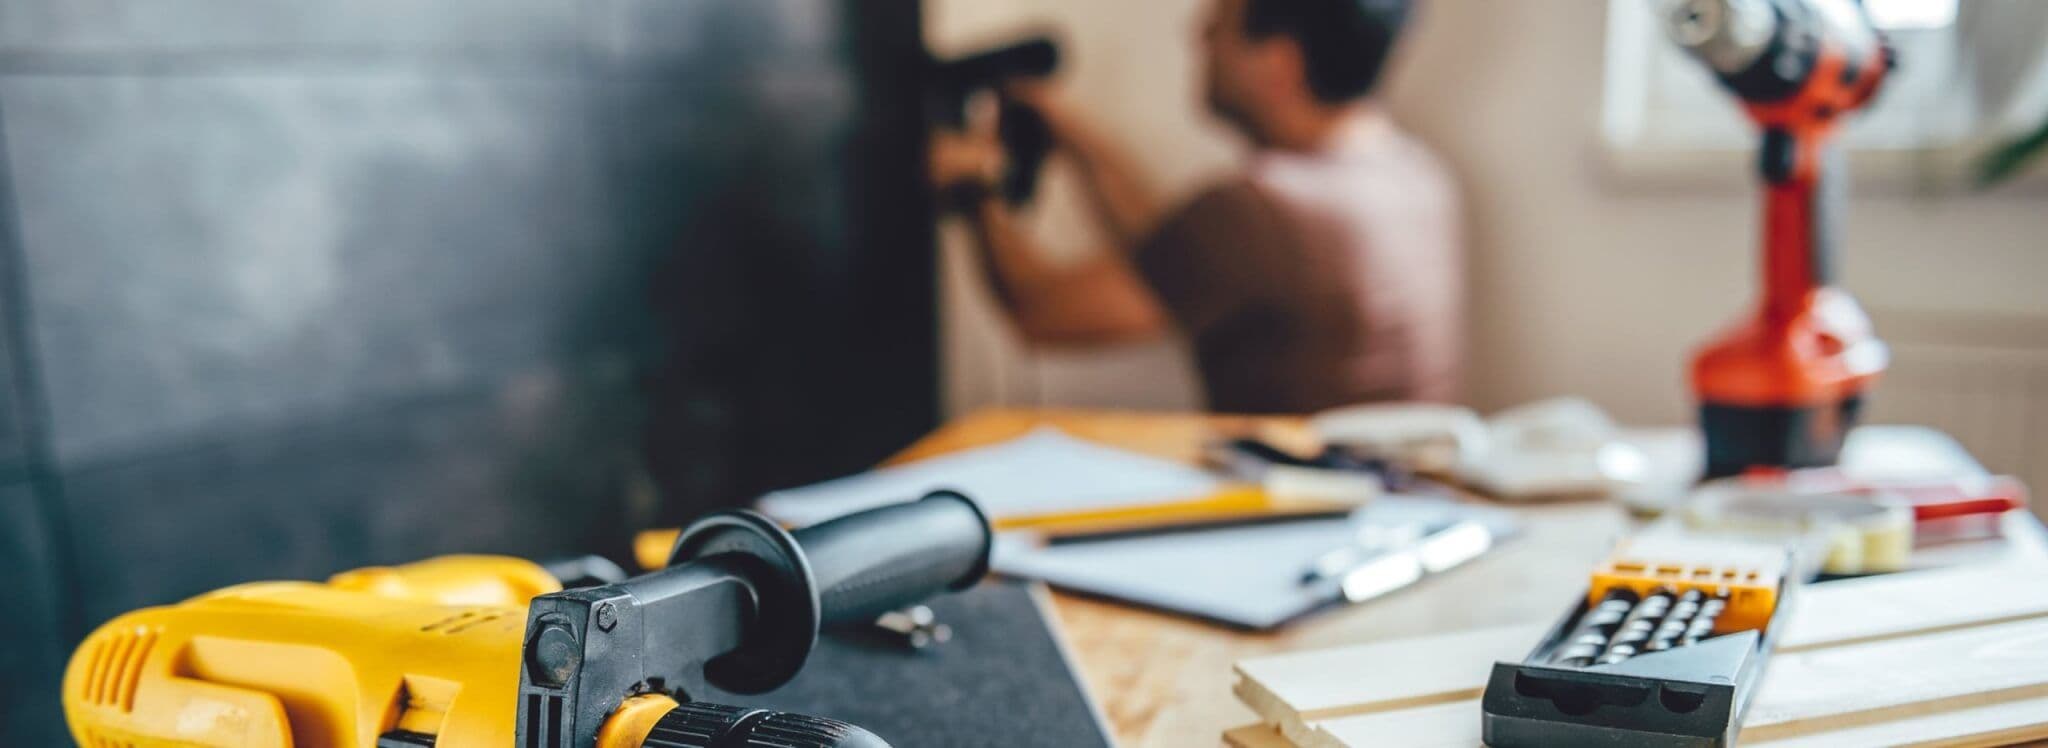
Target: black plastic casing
x=1740, y=437
x=1025, y=137
x=1692, y=696
x=739, y=608
x=701, y=725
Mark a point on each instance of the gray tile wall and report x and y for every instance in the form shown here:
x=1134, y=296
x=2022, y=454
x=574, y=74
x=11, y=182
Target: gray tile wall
x=106, y=26
x=15, y=400
x=537, y=467
x=14, y=439
x=316, y=285
x=32, y=646
x=330, y=241
x=313, y=258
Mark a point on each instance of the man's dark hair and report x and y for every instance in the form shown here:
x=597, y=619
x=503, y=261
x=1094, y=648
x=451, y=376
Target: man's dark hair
x=1344, y=43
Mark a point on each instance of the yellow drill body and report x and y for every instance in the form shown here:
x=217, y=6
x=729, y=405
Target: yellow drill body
x=490, y=651
x=431, y=648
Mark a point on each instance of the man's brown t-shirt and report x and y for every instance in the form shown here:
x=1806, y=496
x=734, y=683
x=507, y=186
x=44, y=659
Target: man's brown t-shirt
x=1318, y=280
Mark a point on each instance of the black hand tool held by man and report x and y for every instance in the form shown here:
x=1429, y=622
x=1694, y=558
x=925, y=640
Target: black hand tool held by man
x=1025, y=138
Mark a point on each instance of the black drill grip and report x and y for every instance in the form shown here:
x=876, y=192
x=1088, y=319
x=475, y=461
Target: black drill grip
x=875, y=561
x=700, y=725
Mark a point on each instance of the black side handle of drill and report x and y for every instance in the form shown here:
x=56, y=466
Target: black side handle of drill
x=846, y=570
x=860, y=566
x=699, y=725
x=875, y=561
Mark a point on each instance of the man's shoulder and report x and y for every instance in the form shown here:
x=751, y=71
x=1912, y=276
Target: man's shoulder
x=1235, y=192
x=1220, y=217
x=1241, y=200
x=1421, y=159
x=1395, y=167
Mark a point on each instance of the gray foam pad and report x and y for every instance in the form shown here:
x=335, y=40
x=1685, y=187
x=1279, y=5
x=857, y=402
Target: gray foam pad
x=1000, y=681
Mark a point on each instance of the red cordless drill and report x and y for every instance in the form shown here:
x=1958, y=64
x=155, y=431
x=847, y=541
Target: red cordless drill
x=1782, y=387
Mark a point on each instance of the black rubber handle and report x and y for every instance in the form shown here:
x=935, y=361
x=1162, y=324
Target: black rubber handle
x=869, y=563
x=700, y=725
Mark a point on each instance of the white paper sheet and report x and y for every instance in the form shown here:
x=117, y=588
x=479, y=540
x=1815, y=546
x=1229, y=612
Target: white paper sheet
x=1043, y=471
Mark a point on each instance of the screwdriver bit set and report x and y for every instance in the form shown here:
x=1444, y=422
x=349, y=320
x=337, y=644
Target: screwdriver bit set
x=1664, y=649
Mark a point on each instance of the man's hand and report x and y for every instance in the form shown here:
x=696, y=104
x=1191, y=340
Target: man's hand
x=966, y=158
x=1097, y=301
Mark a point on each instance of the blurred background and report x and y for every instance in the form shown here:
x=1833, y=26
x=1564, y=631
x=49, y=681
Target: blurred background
x=287, y=289
x=1609, y=201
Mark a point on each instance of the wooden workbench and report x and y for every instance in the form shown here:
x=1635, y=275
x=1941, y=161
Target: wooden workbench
x=1164, y=681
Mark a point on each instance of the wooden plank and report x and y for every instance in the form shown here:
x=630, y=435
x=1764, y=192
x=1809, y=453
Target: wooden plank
x=1291, y=690
x=1174, y=436
x=1979, y=686
x=1830, y=689
x=1259, y=735
x=1940, y=615
x=1857, y=610
x=1449, y=725
x=2003, y=723
x=1355, y=679
x=1457, y=724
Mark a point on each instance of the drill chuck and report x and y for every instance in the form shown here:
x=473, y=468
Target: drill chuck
x=1768, y=51
x=1727, y=35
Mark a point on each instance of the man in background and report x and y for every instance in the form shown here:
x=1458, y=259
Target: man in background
x=1328, y=273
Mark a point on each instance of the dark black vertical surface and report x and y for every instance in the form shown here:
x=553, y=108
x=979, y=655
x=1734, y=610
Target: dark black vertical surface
x=301, y=287
x=14, y=432
x=787, y=376
x=32, y=646
x=35, y=630
x=16, y=367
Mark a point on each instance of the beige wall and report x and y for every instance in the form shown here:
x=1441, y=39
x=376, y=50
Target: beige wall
x=1584, y=282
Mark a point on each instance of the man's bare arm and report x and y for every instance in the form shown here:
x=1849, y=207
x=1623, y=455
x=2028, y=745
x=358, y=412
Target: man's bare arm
x=1100, y=300
x=1127, y=207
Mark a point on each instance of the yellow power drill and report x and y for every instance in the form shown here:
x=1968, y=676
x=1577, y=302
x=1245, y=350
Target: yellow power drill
x=488, y=651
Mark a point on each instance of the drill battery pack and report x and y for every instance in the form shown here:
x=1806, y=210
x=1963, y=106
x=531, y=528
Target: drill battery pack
x=1665, y=648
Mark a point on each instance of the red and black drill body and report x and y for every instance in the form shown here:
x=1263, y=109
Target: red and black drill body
x=1782, y=387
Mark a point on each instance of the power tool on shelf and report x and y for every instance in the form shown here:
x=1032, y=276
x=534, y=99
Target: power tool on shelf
x=1782, y=388
x=488, y=651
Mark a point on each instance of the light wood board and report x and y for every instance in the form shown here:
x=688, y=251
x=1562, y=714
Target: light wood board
x=1815, y=691
x=1856, y=610
x=1298, y=690
x=1255, y=736
x=1860, y=655
x=1388, y=675
x=2003, y=723
x=1951, y=688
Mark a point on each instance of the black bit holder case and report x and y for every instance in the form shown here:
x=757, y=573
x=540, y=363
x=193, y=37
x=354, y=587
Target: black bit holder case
x=1692, y=696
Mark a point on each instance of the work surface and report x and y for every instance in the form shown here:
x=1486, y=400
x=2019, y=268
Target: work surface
x=1163, y=680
